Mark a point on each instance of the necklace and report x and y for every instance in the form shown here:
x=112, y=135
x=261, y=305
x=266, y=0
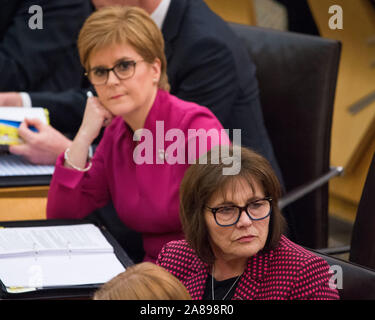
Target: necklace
x=212, y=285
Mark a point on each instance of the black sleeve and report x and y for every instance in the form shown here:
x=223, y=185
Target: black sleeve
x=65, y=108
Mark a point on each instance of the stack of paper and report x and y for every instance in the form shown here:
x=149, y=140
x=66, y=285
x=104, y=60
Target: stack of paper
x=32, y=258
x=12, y=166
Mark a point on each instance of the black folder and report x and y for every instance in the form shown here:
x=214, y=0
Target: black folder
x=63, y=292
x=25, y=181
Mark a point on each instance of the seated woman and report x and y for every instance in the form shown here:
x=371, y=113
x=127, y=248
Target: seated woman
x=135, y=165
x=234, y=247
x=143, y=281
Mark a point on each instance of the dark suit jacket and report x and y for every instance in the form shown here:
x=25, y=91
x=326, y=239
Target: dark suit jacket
x=8, y=8
x=289, y=272
x=207, y=64
x=44, y=59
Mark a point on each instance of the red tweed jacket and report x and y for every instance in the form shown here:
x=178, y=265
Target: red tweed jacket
x=286, y=273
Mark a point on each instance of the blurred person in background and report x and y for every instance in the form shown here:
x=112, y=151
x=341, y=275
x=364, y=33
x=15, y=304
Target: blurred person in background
x=38, y=49
x=143, y=281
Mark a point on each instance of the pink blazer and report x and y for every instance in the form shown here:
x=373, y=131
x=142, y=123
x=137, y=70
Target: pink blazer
x=146, y=196
x=288, y=272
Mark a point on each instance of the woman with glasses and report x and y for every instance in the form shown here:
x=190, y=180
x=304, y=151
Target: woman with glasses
x=235, y=247
x=135, y=164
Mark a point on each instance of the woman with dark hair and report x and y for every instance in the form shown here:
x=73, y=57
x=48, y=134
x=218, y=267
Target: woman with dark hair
x=234, y=247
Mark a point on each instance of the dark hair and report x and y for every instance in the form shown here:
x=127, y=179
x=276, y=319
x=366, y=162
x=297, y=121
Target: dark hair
x=202, y=181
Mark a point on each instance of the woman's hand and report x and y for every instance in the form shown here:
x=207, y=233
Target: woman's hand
x=94, y=118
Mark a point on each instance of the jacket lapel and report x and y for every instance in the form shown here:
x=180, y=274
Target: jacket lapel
x=250, y=282
x=196, y=283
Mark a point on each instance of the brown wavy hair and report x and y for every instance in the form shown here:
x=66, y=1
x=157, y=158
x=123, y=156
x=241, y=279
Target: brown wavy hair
x=202, y=181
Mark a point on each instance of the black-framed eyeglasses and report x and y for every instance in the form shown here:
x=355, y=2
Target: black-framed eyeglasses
x=123, y=70
x=226, y=216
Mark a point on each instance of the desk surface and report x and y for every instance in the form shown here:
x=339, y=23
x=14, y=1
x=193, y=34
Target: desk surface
x=23, y=203
x=22, y=192
x=12, y=209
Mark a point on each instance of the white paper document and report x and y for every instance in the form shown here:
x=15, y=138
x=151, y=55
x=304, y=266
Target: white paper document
x=12, y=165
x=19, y=114
x=40, y=257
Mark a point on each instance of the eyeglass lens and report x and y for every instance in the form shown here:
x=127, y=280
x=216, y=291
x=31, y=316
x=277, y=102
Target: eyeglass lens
x=257, y=210
x=123, y=70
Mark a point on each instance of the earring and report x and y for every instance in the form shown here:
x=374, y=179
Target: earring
x=155, y=80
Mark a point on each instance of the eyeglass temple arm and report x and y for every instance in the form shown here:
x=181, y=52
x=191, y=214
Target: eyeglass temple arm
x=301, y=191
